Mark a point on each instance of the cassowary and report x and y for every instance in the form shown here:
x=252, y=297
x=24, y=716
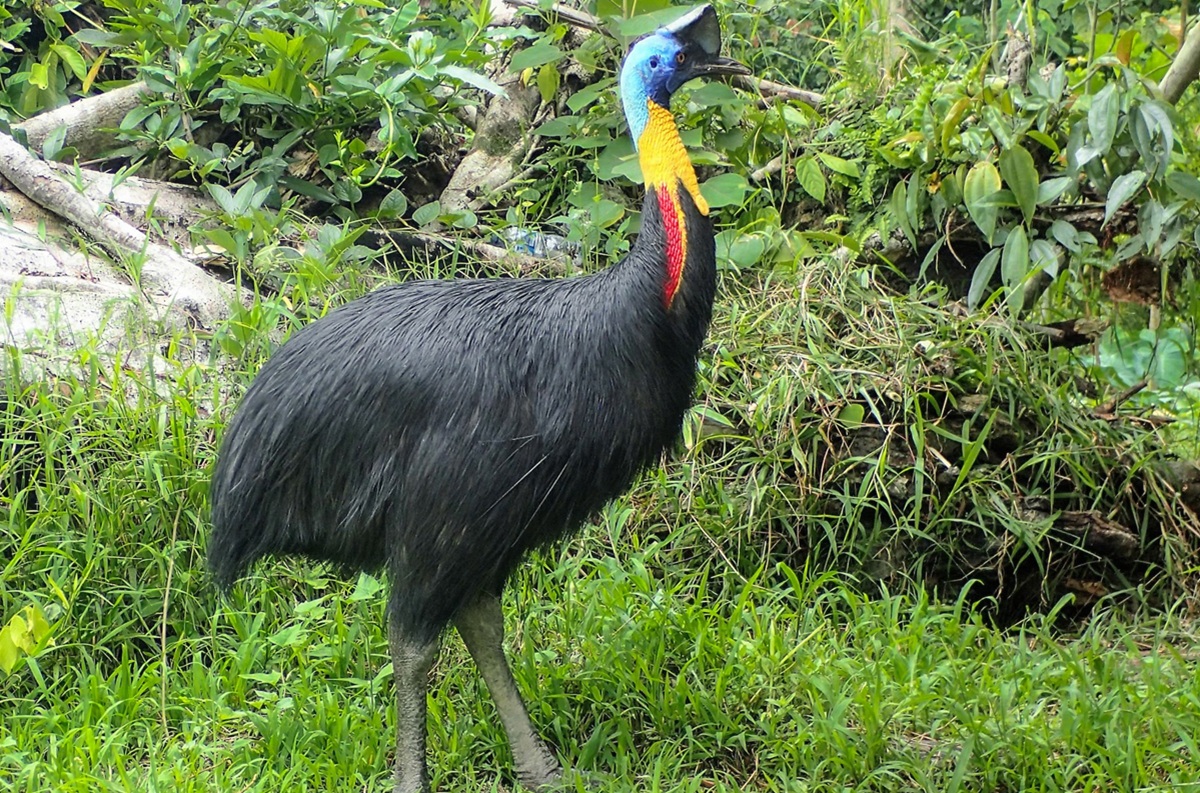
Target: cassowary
x=439, y=430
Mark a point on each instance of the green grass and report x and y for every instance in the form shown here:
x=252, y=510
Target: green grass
x=694, y=639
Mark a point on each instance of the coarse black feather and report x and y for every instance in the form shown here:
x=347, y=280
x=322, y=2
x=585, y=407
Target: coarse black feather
x=441, y=429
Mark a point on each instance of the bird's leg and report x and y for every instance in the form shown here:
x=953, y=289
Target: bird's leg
x=481, y=625
x=411, y=662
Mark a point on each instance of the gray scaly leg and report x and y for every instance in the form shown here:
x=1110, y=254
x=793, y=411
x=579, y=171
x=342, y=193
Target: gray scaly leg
x=481, y=625
x=411, y=662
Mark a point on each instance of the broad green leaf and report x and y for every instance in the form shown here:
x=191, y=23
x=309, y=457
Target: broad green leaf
x=743, y=250
x=393, y=205
x=1184, y=184
x=1066, y=235
x=983, y=180
x=1014, y=267
x=1041, y=137
x=480, y=81
x=1000, y=123
x=560, y=127
x=537, y=55
x=9, y=651
x=1123, y=188
x=898, y=204
x=714, y=95
x=852, y=415
x=70, y=57
x=1014, y=264
x=838, y=165
x=951, y=122
x=1151, y=218
x=427, y=214
x=548, y=80
x=305, y=188
x=727, y=189
x=1021, y=176
x=1044, y=256
x=808, y=174
x=1050, y=190
x=39, y=75
x=53, y=144
x=982, y=277
x=103, y=39
x=1156, y=118
x=604, y=213
x=585, y=96
x=1103, y=116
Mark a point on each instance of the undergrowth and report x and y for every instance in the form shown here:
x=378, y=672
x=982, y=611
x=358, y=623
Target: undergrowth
x=756, y=614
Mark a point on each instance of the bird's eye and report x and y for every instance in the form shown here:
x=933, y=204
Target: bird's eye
x=680, y=57
x=654, y=63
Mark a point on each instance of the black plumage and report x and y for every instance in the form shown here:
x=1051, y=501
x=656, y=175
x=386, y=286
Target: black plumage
x=439, y=430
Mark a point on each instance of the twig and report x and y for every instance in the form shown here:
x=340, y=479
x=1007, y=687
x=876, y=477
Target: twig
x=769, y=89
x=770, y=169
x=580, y=19
x=1109, y=409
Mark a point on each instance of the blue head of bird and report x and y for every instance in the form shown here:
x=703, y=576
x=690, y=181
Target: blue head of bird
x=658, y=64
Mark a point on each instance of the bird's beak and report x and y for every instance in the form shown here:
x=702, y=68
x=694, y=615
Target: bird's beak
x=719, y=66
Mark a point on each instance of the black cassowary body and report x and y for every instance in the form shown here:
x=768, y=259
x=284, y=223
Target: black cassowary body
x=440, y=429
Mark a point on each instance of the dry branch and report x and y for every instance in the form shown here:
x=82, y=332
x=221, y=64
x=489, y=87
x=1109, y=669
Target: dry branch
x=87, y=120
x=168, y=279
x=1184, y=69
x=573, y=16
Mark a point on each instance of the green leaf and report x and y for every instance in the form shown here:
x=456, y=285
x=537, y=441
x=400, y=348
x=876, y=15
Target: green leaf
x=743, y=250
x=539, y=54
x=53, y=144
x=1051, y=189
x=838, y=165
x=306, y=188
x=1184, y=184
x=9, y=651
x=852, y=415
x=1041, y=137
x=1014, y=267
x=1103, y=116
x=72, y=58
x=982, y=277
x=548, y=81
x=427, y=214
x=728, y=189
x=585, y=96
x=103, y=39
x=480, y=81
x=1123, y=188
x=808, y=174
x=983, y=181
x=393, y=205
x=1044, y=256
x=1021, y=176
x=1066, y=235
x=898, y=204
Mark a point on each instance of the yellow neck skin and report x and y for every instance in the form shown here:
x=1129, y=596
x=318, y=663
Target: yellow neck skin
x=663, y=158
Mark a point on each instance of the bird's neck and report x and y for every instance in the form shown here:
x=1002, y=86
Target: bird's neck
x=665, y=168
